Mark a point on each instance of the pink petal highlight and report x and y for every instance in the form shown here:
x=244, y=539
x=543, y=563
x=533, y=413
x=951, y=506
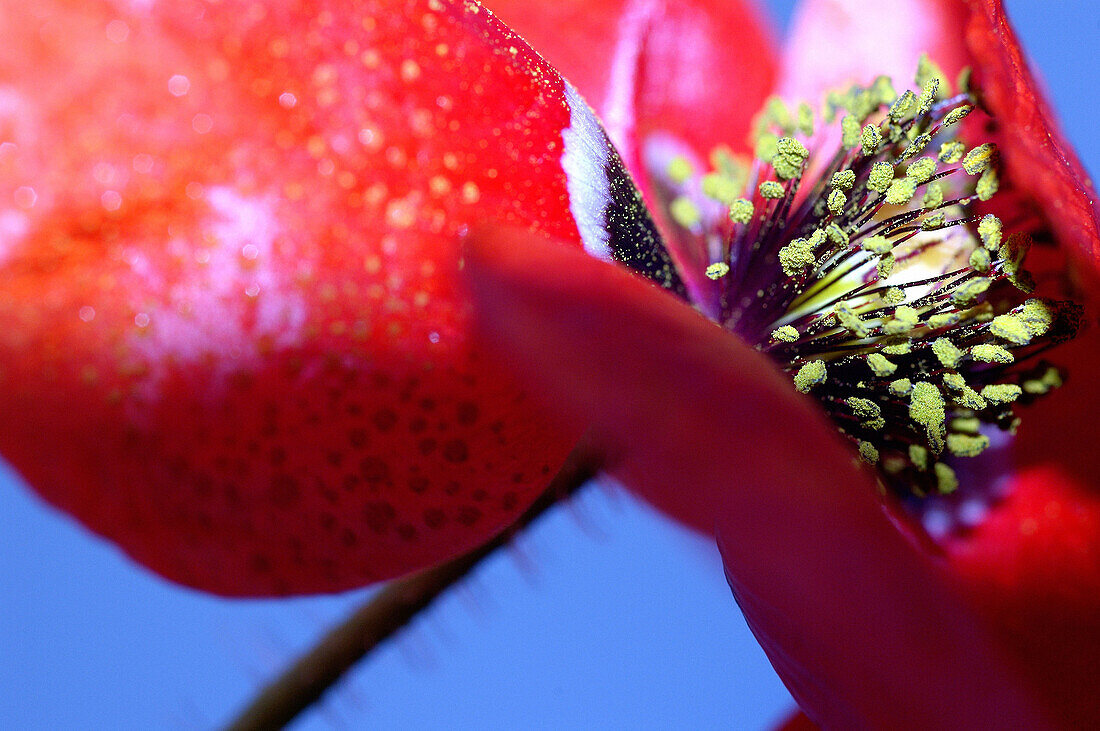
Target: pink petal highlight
x=834, y=43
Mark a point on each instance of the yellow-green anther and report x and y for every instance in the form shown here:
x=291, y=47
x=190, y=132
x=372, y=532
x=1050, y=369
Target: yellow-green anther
x=901, y=348
x=928, y=95
x=987, y=185
x=990, y=230
x=850, y=321
x=934, y=222
x=849, y=131
x=1013, y=252
x=836, y=202
x=864, y=408
x=880, y=365
x=721, y=188
x=901, y=386
x=837, y=99
x=844, y=179
x=918, y=455
x=679, y=170
x=901, y=191
x=741, y=211
x=969, y=291
x=685, y=212
x=724, y=161
x=776, y=112
x=956, y=115
x=969, y=424
x=771, y=189
x=880, y=177
x=868, y=453
x=882, y=88
x=944, y=319
x=785, y=334
x=893, y=296
x=1050, y=379
x=903, y=106
x=980, y=261
x=978, y=159
x=870, y=140
x=1002, y=393
x=836, y=234
x=933, y=196
x=954, y=381
x=1037, y=316
x=921, y=170
x=876, y=424
x=904, y=320
x=805, y=119
x=968, y=398
x=810, y=375
x=817, y=238
x=947, y=352
x=952, y=151
x=965, y=445
x=1011, y=328
x=862, y=102
x=877, y=245
x=789, y=156
x=766, y=145
x=926, y=407
x=796, y=256
x=962, y=82
x=718, y=270
x=988, y=353
x=946, y=481
x=886, y=265
x=927, y=71
x=916, y=146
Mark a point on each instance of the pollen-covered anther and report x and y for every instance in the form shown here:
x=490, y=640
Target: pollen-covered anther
x=810, y=375
x=717, y=270
x=866, y=275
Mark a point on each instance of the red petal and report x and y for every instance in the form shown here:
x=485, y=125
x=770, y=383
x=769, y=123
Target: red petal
x=699, y=69
x=852, y=615
x=666, y=77
x=1036, y=156
x=1033, y=565
x=834, y=43
x=230, y=335
x=675, y=399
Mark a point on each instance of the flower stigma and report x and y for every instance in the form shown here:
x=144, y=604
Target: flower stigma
x=851, y=252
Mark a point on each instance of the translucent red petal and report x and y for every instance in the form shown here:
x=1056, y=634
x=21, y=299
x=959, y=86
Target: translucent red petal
x=231, y=335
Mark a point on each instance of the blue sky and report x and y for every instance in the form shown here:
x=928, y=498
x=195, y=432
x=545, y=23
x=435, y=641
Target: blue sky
x=604, y=615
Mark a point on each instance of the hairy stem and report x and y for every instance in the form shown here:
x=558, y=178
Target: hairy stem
x=313, y=674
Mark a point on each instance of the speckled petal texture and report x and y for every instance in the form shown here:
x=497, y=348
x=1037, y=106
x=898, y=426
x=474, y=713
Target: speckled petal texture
x=231, y=334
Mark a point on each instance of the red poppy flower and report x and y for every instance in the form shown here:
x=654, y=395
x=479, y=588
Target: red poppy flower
x=207, y=199
x=868, y=622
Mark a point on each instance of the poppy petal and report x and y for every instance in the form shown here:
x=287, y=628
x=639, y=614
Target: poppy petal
x=1035, y=154
x=834, y=43
x=1032, y=565
x=849, y=611
x=696, y=69
x=648, y=373
x=231, y=337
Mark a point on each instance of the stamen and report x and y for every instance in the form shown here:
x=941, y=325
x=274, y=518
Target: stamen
x=865, y=274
